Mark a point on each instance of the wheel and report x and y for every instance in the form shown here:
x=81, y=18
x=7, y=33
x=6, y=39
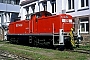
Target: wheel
x=61, y=48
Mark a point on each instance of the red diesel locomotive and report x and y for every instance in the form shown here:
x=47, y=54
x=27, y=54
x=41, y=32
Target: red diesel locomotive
x=43, y=29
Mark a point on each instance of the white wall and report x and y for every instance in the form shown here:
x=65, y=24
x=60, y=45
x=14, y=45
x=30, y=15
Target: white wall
x=76, y=8
x=49, y=7
x=22, y=13
x=60, y=5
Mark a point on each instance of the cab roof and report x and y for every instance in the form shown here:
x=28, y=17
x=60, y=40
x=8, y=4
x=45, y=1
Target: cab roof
x=41, y=13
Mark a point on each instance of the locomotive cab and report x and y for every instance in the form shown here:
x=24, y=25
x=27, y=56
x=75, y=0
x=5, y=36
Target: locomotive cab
x=41, y=14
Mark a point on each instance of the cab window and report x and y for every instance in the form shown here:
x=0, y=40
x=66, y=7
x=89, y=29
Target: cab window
x=28, y=17
x=38, y=15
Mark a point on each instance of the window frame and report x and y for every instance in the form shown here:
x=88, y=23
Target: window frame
x=84, y=22
x=45, y=5
x=80, y=4
x=72, y=5
x=53, y=4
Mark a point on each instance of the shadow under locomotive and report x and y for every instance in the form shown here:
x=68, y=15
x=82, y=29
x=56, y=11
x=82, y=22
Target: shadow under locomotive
x=41, y=41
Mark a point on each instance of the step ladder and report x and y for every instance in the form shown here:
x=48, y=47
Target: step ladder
x=60, y=40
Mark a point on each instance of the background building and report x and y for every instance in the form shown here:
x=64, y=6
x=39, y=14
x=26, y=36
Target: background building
x=79, y=9
x=9, y=10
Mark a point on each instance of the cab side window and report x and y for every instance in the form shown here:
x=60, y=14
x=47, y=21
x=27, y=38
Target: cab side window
x=28, y=17
x=38, y=15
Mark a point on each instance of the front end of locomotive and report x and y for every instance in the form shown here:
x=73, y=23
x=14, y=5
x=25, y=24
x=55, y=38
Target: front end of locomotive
x=68, y=38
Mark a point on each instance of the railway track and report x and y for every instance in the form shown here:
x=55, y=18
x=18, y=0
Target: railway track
x=8, y=56
x=81, y=51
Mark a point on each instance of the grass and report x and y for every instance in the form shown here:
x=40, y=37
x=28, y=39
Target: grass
x=44, y=54
x=87, y=47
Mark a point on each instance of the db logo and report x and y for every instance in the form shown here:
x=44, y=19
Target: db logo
x=18, y=25
x=66, y=20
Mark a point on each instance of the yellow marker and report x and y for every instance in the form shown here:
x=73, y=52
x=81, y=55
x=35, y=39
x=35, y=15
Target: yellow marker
x=71, y=29
x=72, y=37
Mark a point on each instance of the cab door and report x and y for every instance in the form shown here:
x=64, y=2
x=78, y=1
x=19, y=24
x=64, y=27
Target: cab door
x=26, y=23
